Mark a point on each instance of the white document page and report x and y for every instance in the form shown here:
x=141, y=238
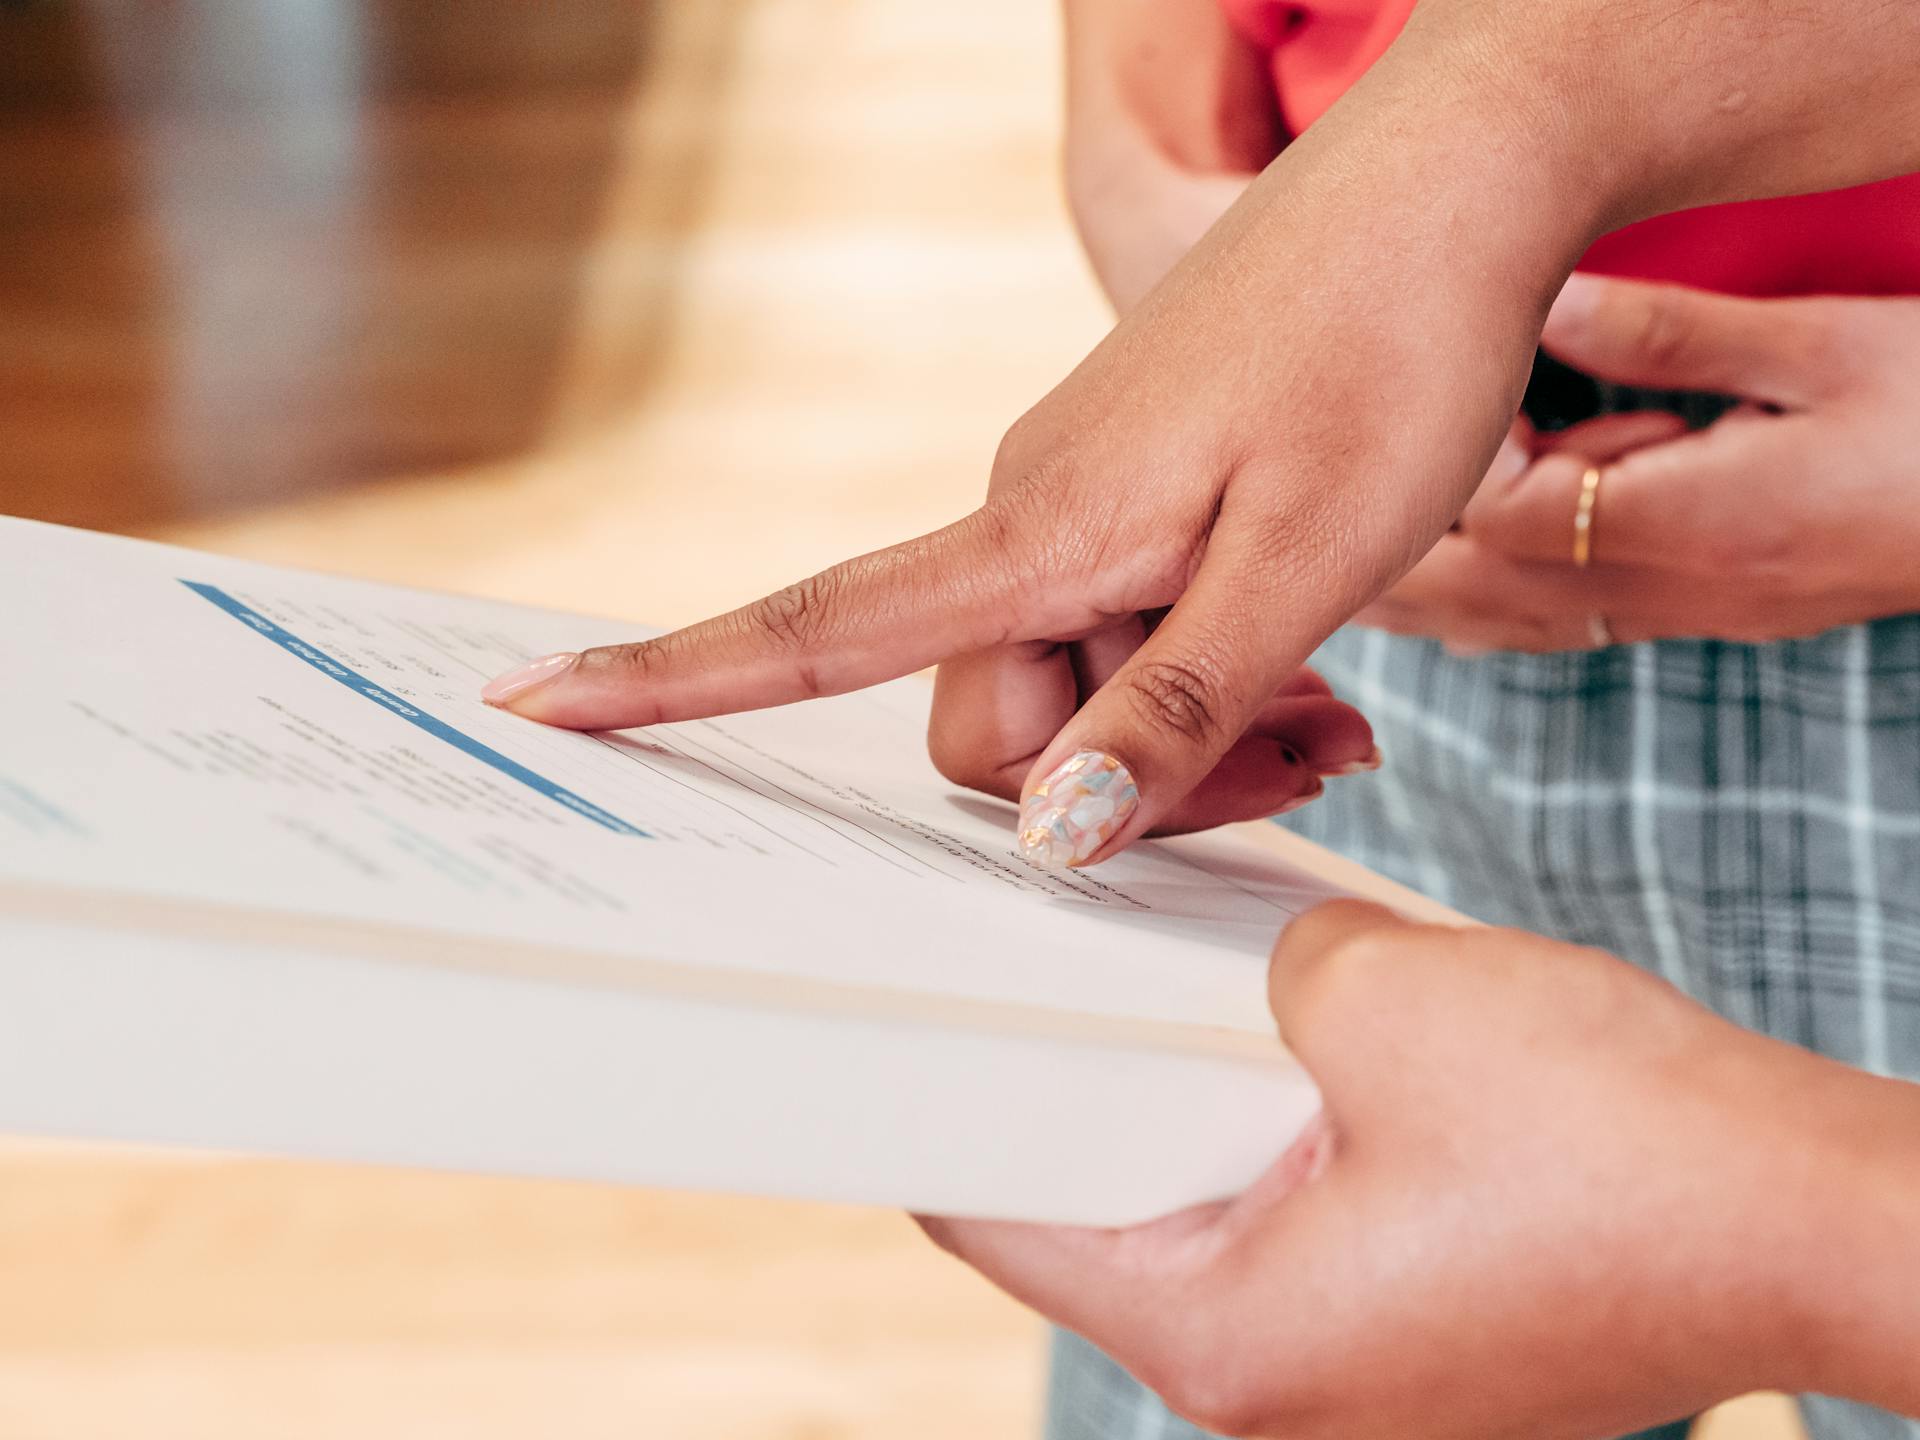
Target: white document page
x=208, y=735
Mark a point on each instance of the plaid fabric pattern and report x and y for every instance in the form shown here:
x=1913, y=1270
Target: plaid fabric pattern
x=1742, y=819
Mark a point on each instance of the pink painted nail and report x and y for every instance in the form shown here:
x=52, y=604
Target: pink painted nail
x=503, y=690
x=1319, y=789
x=1077, y=809
x=1357, y=767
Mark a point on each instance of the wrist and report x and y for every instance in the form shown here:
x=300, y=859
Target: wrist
x=1699, y=104
x=1790, y=1259
x=1557, y=91
x=1476, y=183
x=1855, y=1270
x=1498, y=117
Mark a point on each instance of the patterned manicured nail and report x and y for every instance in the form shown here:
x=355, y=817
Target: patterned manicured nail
x=1319, y=789
x=1357, y=767
x=505, y=689
x=1077, y=809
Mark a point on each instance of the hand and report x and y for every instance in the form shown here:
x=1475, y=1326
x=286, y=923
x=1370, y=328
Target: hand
x=1301, y=409
x=1548, y=1197
x=1205, y=454
x=1791, y=515
x=1169, y=118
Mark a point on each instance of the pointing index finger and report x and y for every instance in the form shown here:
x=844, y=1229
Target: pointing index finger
x=869, y=619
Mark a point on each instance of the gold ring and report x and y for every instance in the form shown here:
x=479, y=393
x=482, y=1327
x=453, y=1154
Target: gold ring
x=1583, y=517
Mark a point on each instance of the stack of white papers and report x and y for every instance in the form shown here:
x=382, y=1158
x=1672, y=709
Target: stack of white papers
x=273, y=878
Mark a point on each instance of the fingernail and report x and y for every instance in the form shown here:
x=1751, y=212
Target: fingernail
x=1357, y=767
x=1077, y=809
x=1299, y=801
x=505, y=689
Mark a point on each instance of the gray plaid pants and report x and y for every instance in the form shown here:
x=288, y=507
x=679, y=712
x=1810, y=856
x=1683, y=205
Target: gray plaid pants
x=1742, y=819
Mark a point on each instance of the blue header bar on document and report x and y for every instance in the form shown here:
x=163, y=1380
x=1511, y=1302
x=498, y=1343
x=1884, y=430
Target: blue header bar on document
x=409, y=712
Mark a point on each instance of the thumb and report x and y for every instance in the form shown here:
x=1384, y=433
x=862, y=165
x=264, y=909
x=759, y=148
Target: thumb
x=1671, y=337
x=1314, y=969
x=1160, y=725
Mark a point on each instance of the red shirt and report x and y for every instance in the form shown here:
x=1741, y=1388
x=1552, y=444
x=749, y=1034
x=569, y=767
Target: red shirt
x=1862, y=241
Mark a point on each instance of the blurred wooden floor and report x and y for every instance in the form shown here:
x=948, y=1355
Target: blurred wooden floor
x=824, y=264
x=177, y=1300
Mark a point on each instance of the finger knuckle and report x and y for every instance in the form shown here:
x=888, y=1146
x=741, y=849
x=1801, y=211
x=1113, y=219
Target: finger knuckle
x=1033, y=458
x=1214, y=1389
x=1015, y=455
x=633, y=665
x=959, y=758
x=797, y=617
x=1347, y=969
x=1215, y=1405
x=1213, y=1374
x=1176, y=701
x=1009, y=535
x=1778, y=555
x=952, y=758
x=1662, y=330
x=1048, y=527
x=1724, y=554
x=797, y=622
x=1765, y=547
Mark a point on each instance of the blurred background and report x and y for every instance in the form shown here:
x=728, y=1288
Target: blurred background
x=635, y=308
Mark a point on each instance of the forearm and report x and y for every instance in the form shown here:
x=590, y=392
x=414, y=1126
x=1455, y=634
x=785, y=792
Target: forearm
x=1169, y=114
x=1860, y=1262
x=1168, y=78
x=1442, y=202
x=1683, y=103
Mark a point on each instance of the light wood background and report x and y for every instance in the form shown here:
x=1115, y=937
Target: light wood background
x=644, y=313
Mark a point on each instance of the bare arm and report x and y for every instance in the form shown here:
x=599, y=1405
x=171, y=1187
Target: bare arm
x=1862, y=1257
x=1574, y=1204
x=1302, y=407
x=1170, y=115
x=1172, y=77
